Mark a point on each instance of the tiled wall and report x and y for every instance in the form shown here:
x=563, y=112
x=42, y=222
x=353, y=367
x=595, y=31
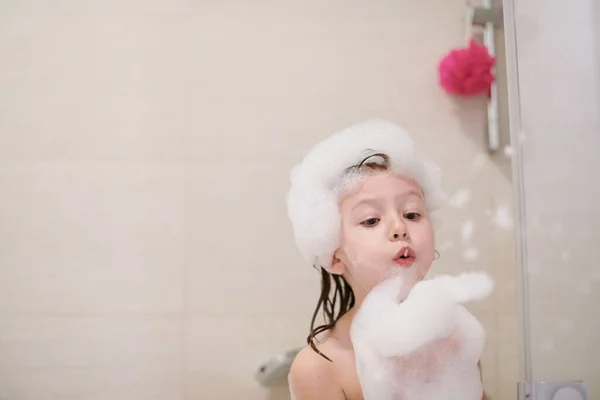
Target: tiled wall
x=144, y=157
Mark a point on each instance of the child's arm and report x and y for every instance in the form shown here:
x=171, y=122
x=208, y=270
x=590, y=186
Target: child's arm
x=312, y=378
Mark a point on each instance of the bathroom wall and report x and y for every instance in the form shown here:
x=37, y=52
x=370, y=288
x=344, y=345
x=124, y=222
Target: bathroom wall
x=558, y=53
x=144, y=157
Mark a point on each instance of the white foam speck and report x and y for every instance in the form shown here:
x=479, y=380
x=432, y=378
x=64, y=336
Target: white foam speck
x=460, y=198
x=509, y=151
x=466, y=231
x=471, y=254
x=503, y=218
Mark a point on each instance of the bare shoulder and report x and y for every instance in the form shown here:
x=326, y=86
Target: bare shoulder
x=312, y=377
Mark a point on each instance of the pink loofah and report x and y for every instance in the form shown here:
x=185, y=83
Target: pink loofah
x=467, y=71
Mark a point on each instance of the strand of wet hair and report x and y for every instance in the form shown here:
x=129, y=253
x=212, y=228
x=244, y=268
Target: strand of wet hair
x=342, y=292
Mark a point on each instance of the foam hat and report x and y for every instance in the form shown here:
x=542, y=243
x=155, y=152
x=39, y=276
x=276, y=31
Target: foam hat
x=312, y=200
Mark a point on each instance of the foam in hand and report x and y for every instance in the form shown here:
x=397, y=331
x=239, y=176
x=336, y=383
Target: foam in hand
x=421, y=343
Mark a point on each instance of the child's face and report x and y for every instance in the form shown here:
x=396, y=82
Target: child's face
x=385, y=231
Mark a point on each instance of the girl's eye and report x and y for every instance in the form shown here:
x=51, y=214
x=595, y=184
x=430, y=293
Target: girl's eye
x=412, y=216
x=370, y=222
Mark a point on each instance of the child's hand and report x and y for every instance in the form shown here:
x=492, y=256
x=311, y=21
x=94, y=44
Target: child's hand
x=429, y=337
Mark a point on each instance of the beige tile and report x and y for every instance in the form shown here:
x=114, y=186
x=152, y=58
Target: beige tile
x=242, y=258
x=462, y=223
x=131, y=8
x=223, y=354
x=489, y=214
x=509, y=355
x=505, y=271
x=232, y=348
x=95, y=84
x=144, y=382
x=256, y=293
x=91, y=237
x=307, y=78
x=90, y=358
x=464, y=235
x=242, y=389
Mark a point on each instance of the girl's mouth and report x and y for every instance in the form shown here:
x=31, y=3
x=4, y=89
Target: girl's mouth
x=405, y=257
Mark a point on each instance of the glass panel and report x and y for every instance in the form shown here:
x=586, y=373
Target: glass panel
x=553, y=53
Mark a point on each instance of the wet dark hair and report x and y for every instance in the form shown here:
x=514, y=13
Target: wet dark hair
x=328, y=303
x=337, y=296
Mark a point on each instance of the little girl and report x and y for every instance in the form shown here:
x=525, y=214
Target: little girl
x=359, y=204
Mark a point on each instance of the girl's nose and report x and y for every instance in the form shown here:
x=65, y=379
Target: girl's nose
x=398, y=233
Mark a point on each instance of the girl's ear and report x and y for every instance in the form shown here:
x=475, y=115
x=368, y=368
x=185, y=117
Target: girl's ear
x=337, y=265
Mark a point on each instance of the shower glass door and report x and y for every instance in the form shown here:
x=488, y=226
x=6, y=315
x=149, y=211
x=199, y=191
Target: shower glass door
x=553, y=53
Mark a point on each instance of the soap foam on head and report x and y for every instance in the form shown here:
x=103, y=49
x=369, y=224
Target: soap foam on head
x=320, y=178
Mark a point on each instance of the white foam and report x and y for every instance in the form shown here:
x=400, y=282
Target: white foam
x=426, y=347
x=466, y=231
x=509, y=151
x=460, y=198
x=470, y=254
x=317, y=181
x=503, y=217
